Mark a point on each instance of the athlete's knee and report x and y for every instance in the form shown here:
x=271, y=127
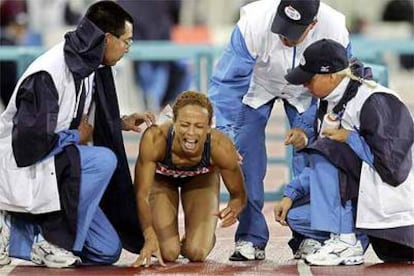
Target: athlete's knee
x=195, y=254
x=170, y=254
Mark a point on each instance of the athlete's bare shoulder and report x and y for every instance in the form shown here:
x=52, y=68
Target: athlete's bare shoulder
x=157, y=132
x=154, y=140
x=219, y=138
x=223, y=151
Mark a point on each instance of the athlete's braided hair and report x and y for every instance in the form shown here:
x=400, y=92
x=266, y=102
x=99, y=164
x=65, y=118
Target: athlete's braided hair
x=193, y=98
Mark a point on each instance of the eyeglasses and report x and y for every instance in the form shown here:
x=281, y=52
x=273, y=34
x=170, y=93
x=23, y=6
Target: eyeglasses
x=127, y=42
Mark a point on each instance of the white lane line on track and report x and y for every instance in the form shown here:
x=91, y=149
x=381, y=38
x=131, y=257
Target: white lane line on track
x=304, y=269
x=7, y=269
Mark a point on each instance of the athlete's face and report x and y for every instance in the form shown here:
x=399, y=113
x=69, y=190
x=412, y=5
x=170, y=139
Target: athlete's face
x=191, y=128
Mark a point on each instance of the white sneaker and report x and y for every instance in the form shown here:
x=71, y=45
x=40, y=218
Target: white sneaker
x=336, y=252
x=4, y=238
x=307, y=247
x=246, y=251
x=45, y=253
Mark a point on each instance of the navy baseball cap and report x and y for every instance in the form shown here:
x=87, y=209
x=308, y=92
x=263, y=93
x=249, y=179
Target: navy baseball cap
x=293, y=17
x=324, y=56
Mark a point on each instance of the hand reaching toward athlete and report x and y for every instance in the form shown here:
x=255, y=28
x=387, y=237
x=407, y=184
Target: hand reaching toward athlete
x=132, y=122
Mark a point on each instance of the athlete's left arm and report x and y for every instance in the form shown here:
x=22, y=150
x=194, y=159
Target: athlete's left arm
x=225, y=158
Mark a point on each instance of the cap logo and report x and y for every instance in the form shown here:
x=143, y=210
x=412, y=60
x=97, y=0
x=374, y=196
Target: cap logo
x=292, y=13
x=302, y=61
x=325, y=69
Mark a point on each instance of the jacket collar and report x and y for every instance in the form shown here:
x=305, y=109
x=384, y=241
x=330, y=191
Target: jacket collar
x=84, y=48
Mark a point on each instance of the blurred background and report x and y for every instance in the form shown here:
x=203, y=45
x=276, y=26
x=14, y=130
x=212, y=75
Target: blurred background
x=178, y=41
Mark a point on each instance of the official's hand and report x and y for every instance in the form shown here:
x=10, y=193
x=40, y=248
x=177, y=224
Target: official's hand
x=85, y=131
x=297, y=138
x=151, y=247
x=281, y=208
x=132, y=122
x=339, y=135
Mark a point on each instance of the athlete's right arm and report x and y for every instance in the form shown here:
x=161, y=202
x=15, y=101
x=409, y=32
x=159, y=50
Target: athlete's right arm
x=144, y=176
x=149, y=154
